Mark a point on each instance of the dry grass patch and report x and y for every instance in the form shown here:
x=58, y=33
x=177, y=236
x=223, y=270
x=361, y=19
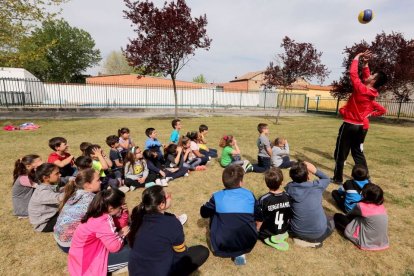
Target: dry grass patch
x=389, y=153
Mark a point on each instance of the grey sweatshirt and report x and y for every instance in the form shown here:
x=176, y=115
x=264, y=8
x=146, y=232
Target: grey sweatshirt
x=136, y=171
x=43, y=205
x=309, y=219
x=278, y=153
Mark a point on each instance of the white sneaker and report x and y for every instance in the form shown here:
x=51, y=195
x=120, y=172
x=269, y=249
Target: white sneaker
x=123, y=189
x=158, y=182
x=245, y=164
x=186, y=174
x=132, y=188
x=164, y=182
x=169, y=178
x=182, y=218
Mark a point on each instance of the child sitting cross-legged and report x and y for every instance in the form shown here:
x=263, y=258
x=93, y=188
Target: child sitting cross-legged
x=231, y=154
x=97, y=246
x=280, y=154
x=274, y=212
x=24, y=183
x=202, y=143
x=309, y=224
x=349, y=194
x=44, y=203
x=157, y=239
x=78, y=195
x=232, y=217
x=367, y=223
x=136, y=170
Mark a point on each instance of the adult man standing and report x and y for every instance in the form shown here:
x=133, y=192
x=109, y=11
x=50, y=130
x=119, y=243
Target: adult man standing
x=361, y=105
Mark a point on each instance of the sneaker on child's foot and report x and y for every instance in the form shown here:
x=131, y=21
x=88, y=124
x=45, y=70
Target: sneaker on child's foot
x=182, y=218
x=245, y=163
x=240, y=260
x=123, y=189
x=169, y=178
x=186, y=174
x=132, y=188
x=149, y=184
x=200, y=168
x=164, y=182
x=158, y=182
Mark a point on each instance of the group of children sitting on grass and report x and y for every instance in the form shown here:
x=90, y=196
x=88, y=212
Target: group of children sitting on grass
x=84, y=205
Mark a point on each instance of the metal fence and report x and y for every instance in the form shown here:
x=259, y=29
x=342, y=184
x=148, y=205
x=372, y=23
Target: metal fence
x=34, y=93
x=394, y=108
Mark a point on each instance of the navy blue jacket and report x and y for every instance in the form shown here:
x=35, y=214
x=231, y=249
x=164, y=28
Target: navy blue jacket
x=232, y=225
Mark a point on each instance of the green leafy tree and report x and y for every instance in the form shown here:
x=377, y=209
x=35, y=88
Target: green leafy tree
x=200, y=79
x=17, y=20
x=116, y=64
x=62, y=52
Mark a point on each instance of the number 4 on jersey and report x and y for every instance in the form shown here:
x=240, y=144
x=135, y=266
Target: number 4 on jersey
x=279, y=220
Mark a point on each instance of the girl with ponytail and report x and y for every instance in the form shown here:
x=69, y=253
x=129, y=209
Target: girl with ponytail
x=157, y=239
x=78, y=195
x=97, y=246
x=24, y=183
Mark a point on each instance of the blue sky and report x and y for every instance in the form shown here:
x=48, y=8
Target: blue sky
x=247, y=34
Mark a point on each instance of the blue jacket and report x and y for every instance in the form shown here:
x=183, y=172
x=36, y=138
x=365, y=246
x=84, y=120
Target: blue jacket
x=351, y=190
x=309, y=219
x=232, y=225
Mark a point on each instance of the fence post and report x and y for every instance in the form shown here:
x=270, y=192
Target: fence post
x=306, y=104
x=399, y=110
x=241, y=98
x=213, y=97
x=317, y=103
x=264, y=102
x=146, y=96
x=60, y=99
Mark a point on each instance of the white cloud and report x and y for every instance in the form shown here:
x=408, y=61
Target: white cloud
x=246, y=34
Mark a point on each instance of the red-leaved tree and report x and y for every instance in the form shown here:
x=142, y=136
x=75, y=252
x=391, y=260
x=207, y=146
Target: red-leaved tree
x=299, y=60
x=392, y=54
x=166, y=38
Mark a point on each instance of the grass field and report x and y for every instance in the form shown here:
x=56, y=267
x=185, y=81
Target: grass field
x=388, y=148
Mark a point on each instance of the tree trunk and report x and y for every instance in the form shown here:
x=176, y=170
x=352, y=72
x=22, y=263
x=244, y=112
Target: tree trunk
x=281, y=104
x=175, y=98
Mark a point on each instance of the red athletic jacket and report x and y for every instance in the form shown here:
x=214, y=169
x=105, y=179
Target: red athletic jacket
x=361, y=104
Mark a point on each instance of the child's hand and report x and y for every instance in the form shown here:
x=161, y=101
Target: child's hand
x=311, y=168
x=187, y=150
x=124, y=231
x=124, y=207
x=97, y=151
x=162, y=173
x=179, y=149
x=141, y=180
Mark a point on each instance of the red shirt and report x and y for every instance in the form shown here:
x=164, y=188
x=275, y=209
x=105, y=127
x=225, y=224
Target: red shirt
x=53, y=157
x=361, y=104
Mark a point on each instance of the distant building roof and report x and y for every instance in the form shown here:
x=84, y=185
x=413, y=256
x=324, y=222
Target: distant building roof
x=134, y=79
x=247, y=76
x=16, y=73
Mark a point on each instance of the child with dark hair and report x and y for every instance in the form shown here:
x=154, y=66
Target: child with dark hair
x=97, y=246
x=153, y=144
x=195, y=150
x=232, y=214
x=175, y=134
x=367, y=224
x=157, y=170
x=60, y=157
x=191, y=162
x=309, y=224
x=349, y=194
x=83, y=147
x=157, y=239
x=78, y=194
x=274, y=212
x=175, y=156
x=125, y=141
x=280, y=154
x=44, y=203
x=24, y=183
x=264, y=148
x=116, y=158
x=83, y=163
x=231, y=154
x=136, y=170
x=202, y=143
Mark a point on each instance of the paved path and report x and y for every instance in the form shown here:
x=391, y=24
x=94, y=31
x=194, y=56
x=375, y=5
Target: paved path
x=137, y=113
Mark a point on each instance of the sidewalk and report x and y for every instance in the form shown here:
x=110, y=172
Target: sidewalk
x=67, y=113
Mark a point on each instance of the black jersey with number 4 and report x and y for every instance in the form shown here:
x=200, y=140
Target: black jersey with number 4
x=275, y=212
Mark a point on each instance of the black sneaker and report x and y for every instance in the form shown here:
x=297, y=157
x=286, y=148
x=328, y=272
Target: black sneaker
x=336, y=181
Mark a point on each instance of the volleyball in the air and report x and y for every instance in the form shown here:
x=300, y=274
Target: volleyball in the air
x=365, y=16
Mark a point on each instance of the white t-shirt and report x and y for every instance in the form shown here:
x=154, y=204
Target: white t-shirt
x=193, y=146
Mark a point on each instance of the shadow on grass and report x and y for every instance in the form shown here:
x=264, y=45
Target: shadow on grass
x=320, y=153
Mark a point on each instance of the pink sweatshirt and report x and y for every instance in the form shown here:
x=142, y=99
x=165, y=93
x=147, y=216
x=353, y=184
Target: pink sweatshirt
x=91, y=244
